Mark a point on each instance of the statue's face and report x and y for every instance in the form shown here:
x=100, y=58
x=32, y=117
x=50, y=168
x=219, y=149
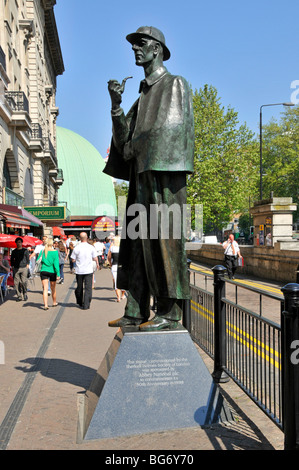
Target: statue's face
x=144, y=49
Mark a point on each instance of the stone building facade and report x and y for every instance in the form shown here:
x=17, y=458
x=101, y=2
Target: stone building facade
x=30, y=61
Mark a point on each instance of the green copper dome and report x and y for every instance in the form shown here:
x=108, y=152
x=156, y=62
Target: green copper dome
x=86, y=189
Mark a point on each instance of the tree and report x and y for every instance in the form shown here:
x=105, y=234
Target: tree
x=226, y=161
x=280, y=155
x=121, y=188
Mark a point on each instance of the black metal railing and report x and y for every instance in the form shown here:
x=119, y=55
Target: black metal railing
x=253, y=358
x=261, y=356
x=17, y=100
x=202, y=319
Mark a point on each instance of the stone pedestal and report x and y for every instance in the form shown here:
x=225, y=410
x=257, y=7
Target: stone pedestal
x=149, y=382
x=273, y=220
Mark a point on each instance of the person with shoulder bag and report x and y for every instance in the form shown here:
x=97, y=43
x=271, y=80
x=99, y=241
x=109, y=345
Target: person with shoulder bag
x=231, y=255
x=49, y=271
x=20, y=265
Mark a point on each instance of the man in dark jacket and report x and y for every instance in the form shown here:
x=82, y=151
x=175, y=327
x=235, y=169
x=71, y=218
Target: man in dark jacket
x=153, y=148
x=20, y=264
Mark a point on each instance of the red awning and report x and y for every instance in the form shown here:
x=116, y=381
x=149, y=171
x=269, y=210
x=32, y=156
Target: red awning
x=78, y=223
x=13, y=220
x=58, y=232
x=16, y=217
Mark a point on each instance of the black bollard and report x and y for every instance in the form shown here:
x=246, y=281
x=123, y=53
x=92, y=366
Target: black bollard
x=290, y=366
x=219, y=375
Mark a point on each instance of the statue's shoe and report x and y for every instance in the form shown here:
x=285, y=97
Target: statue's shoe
x=158, y=323
x=125, y=321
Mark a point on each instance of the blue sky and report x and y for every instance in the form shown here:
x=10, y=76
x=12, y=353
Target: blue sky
x=248, y=50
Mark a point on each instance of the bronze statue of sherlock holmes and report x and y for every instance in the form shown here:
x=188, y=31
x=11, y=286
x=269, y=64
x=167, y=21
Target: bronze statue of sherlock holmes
x=152, y=147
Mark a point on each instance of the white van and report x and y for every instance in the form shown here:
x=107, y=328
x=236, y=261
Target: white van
x=211, y=239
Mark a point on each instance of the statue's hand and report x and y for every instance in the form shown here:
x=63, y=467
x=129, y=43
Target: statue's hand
x=116, y=90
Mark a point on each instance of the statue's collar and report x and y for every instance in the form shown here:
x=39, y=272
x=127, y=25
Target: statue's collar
x=153, y=77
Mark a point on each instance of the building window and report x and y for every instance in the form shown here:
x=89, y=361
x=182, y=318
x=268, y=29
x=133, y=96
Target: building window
x=6, y=175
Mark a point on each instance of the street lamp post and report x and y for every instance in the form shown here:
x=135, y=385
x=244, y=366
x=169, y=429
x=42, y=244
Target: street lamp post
x=261, y=142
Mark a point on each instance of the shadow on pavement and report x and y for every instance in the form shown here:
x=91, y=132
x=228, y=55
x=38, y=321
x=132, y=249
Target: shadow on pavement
x=60, y=370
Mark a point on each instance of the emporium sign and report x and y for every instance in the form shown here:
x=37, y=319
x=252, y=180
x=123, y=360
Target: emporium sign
x=48, y=213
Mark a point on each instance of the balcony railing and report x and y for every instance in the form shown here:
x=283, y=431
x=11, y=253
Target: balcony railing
x=48, y=146
x=36, y=137
x=36, y=132
x=49, y=152
x=13, y=199
x=59, y=174
x=18, y=103
x=17, y=100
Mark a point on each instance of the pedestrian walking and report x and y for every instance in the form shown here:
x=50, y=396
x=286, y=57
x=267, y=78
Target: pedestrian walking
x=4, y=269
x=72, y=245
x=33, y=257
x=94, y=264
x=100, y=247
x=107, y=244
x=231, y=255
x=62, y=254
x=49, y=272
x=39, y=248
x=83, y=255
x=113, y=261
x=20, y=265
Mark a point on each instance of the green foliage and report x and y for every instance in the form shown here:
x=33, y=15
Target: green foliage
x=226, y=161
x=121, y=188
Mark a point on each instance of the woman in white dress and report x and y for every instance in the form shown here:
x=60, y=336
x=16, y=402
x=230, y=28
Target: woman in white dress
x=113, y=261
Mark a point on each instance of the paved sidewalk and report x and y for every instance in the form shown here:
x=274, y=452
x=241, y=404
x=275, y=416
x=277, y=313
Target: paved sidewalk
x=51, y=358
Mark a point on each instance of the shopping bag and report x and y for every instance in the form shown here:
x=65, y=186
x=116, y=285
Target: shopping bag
x=241, y=261
x=37, y=267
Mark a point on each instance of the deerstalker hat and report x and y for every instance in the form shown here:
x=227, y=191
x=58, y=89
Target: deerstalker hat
x=152, y=33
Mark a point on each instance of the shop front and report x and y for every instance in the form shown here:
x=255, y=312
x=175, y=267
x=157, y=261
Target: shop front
x=95, y=227
x=52, y=217
x=17, y=221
